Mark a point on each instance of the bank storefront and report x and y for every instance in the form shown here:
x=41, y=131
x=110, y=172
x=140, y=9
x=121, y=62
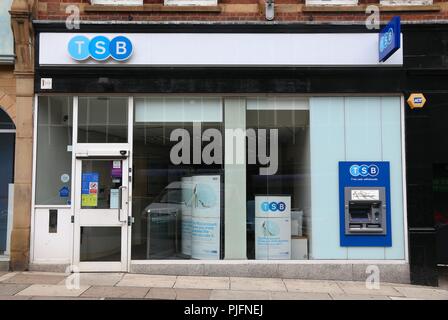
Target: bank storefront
x=217, y=153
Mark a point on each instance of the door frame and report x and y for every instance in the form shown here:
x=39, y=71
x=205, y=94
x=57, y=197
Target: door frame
x=98, y=150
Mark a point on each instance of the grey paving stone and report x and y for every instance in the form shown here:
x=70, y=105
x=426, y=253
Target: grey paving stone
x=423, y=293
x=35, y=278
x=359, y=288
x=239, y=295
x=314, y=286
x=193, y=294
x=252, y=284
x=161, y=294
x=94, y=279
x=115, y=292
x=140, y=280
x=64, y=298
x=44, y=290
x=14, y=298
x=299, y=296
x=10, y=289
x=194, y=282
x=173, y=269
x=358, y=297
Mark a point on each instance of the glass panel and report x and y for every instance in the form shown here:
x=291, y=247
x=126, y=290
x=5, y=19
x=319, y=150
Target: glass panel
x=177, y=190
x=100, y=244
x=100, y=182
x=278, y=182
x=5, y=120
x=7, y=142
x=54, y=160
x=103, y=120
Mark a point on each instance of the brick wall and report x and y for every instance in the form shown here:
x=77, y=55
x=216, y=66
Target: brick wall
x=239, y=10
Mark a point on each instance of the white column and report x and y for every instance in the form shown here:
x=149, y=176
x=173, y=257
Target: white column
x=235, y=179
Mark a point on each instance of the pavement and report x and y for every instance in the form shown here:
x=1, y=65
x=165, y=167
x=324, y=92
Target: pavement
x=88, y=286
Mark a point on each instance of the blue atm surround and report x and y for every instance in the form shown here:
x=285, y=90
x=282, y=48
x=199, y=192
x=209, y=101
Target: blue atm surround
x=361, y=177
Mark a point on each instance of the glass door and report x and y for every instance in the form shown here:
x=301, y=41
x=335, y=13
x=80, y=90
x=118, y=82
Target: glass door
x=101, y=214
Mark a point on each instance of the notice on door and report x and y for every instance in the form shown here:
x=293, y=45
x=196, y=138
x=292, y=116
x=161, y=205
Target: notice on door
x=89, y=189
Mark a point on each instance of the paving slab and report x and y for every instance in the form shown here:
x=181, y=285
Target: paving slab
x=7, y=276
x=193, y=294
x=358, y=297
x=138, y=280
x=115, y=292
x=239, y=295
x=14, y=298
x=423, y=293
x=192, y=282
x=299, y=296
x=312, y=286
x=38, y=278
x=49, y=290
x=359, y=288
x=94, y=279
x=254, y=284
x=10, y=289
x=161, y=294
x=64, y=298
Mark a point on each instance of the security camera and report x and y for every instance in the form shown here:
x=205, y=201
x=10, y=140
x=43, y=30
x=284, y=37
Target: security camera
x=123, y=152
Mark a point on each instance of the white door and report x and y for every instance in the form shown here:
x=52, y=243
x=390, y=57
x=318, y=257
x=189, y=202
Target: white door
x=101, y=214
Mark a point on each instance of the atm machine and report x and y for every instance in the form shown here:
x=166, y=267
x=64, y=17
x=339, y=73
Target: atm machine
x=364, y=191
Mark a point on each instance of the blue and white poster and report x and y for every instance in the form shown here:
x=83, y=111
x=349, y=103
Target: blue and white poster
x=89, y=189
x=272, y=227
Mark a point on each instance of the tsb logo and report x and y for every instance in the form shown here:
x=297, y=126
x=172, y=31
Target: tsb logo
x=273, y=206
x=364, y=170
x=100, y=48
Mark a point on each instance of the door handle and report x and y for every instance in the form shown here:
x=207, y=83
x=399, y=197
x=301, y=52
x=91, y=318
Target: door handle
x=120, y=203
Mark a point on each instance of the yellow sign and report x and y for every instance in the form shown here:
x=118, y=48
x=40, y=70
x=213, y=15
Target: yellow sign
x=416, y=100
x=89, y=200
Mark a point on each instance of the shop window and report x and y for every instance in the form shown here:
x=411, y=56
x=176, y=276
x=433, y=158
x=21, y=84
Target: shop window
x=117, y=2
x=331, y=2
x=405, y=2
x=177, y=190
x=7, y=146
x=278, y=179
x=191, y=2
x=54, y=141
x=102, y=120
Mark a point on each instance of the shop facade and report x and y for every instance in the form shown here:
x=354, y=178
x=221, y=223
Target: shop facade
x=217, y=150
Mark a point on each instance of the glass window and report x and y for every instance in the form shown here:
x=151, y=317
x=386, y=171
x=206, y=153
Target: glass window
x=5, y=120
x=277, y=179
x=177, y=183
x=100, y=183
x=102, y=119
x=100, y=244
x=54, y=158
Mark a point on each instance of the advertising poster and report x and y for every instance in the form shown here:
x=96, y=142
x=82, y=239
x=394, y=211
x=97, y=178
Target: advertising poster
x=272, y=227
x=186, y=225
x=89, y=189
x=206, y=215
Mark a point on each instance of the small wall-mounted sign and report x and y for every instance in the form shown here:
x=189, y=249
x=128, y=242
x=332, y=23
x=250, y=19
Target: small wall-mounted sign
x=389, y=39
x=64, y=192
x=46, y=83
x=416, y=100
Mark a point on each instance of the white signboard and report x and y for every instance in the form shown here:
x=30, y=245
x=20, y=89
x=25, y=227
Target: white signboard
x=217, y=49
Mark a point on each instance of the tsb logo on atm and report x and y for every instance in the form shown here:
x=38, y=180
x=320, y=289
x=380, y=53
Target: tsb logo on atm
x=100, y=48
x=364, y=170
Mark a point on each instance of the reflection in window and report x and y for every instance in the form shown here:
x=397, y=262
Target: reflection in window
x=103, y=120
x=54, y=158
x=177, y=196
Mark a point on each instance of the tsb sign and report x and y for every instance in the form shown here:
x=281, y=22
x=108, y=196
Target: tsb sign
x=273, y=206
x=100, y=48
x=364, y=170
